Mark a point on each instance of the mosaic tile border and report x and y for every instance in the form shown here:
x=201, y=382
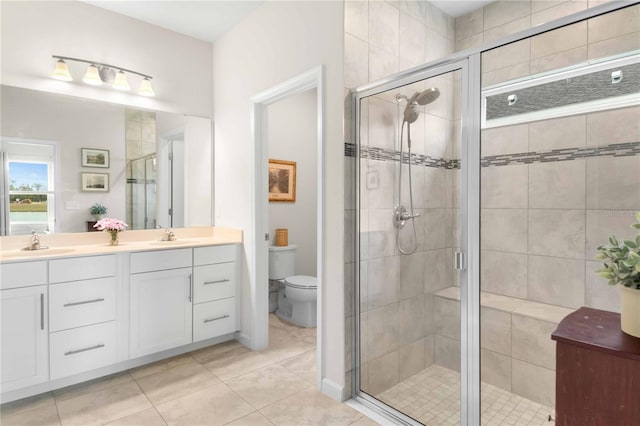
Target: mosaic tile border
x=566, y=154
x=382, y=154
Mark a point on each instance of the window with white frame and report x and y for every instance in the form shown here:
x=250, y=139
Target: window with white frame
x=29, y=172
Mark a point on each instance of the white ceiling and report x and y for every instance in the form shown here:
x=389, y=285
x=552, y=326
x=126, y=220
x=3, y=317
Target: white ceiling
x=204, y=20
x=457, y=8
x=208, y=20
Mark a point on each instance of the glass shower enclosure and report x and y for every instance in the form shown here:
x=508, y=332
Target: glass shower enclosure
x=411, y=243
x=142, y=197
x=484, y=184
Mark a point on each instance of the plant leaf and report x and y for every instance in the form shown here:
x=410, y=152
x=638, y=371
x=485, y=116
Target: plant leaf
x=606, y=275
x=630, y=244
x=613, y=241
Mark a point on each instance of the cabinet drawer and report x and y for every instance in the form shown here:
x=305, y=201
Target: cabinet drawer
x=213, y=319
x=82, y=349
x=214, y=254
x=160, y=260
x=82, y=303
x=23, y=274
x=213, y=282
x=81, y=268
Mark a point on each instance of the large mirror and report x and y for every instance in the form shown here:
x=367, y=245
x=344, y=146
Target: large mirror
x=61, y=155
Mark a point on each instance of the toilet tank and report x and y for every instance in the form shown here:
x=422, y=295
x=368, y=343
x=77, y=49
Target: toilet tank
x=282, y=262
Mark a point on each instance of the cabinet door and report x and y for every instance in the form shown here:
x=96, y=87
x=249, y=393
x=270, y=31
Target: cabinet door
x=24, y=337
x=160, y=311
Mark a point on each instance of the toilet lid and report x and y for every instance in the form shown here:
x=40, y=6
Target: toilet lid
x=302, y=281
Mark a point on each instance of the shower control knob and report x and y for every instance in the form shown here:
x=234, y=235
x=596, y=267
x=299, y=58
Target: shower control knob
x=401, y=216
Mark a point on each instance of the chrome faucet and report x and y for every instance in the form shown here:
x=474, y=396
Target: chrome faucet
x=169, y=235
x=35, y=241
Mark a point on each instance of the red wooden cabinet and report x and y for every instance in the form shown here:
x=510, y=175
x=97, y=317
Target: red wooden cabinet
x=597, y=371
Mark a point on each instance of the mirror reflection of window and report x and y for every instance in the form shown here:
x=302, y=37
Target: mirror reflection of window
x=28, y=194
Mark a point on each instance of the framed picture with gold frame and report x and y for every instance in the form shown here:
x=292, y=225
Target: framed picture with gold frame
x=282, y=181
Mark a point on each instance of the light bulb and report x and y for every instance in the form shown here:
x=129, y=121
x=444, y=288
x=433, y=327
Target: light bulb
x=61, y=72
x=121, y=82
x=145, y=88
x=92, y=76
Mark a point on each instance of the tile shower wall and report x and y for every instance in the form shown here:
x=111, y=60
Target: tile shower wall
x=538, y=238
x=604, y=36
x=397, y=322
x=552, y=190
x=547, y=218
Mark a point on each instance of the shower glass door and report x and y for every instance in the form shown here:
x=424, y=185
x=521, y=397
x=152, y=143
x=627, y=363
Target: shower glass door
x=410, y=160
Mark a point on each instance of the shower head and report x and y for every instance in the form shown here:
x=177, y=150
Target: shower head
x=419, y=98
x=425, y=97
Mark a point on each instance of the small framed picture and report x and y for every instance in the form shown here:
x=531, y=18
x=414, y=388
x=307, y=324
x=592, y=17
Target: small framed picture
x=95, y=157
x=282, y=181
x=95, y=182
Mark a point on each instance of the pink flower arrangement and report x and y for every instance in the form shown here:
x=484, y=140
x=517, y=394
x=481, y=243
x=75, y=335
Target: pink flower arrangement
x=112, y=226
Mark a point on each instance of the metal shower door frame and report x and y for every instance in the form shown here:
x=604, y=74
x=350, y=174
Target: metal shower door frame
x=469, y=204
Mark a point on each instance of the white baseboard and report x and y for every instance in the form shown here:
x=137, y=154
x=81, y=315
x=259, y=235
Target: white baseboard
x=244, y=339
x=333, y=390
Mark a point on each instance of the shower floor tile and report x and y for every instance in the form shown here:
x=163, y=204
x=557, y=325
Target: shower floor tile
x=433, y=397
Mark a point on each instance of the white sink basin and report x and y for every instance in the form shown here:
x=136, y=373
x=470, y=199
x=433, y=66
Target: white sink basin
x=36, y=253
x=171, y=243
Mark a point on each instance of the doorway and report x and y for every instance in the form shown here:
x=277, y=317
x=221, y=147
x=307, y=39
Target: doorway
x=312, y=79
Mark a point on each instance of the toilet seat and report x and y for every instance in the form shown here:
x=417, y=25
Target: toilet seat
x=304, y=282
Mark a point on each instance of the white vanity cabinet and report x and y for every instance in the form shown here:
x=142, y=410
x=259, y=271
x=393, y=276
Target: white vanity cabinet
x=214, y=293
x=25, y=337
x=161, y=301
x=71, y=319
x=82, y=314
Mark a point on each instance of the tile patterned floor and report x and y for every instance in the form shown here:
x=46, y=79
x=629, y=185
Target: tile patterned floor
x=220, y=385
x=432, y=397
x=228, y=384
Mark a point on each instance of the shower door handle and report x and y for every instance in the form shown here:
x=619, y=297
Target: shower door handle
x=459, y=261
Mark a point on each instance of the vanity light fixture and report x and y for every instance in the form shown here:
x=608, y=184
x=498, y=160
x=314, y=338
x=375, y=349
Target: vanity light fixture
x=61, y=72
x=98, y=73
x=145, y=88
x=121, y=82
x=92, y=76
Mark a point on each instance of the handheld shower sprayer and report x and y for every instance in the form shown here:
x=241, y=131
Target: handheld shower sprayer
x=410, y=115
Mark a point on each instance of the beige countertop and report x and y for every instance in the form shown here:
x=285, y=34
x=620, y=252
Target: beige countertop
x=97, y=243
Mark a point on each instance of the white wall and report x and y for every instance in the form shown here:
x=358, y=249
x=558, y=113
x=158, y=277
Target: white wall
x=292, y=136
x=73, y=124
x=32, y=31
x=198, y=154
x=278, y=41
x=181, y=66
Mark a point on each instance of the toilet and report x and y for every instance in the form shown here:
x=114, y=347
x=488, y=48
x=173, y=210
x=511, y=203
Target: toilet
x=298, y=293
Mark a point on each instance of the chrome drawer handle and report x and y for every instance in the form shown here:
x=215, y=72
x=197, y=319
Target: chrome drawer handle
x=77, y=351
x=215, y=319
x=226, y=280
x=41, y=311
x=84, y=302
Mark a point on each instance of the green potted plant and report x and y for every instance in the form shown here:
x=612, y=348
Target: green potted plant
x=98, y=211
x=621, y=265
